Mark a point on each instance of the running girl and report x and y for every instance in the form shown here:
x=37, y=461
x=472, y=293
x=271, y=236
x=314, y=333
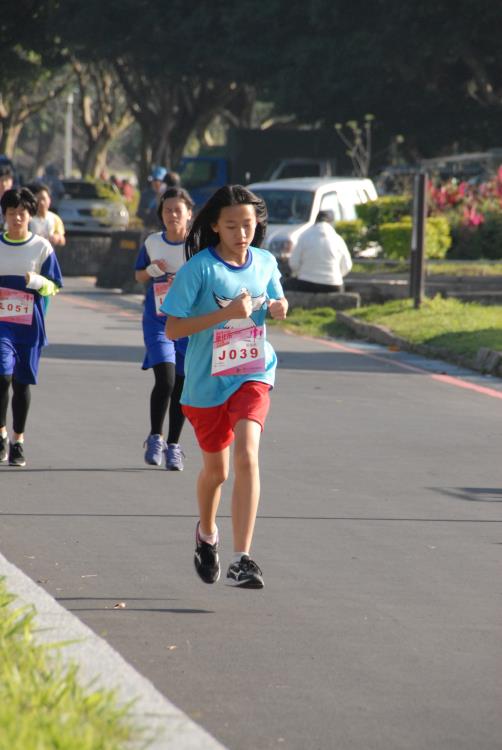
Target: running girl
x=46, y=223
x=158, y=261
x=220, y=299
x=29, y=271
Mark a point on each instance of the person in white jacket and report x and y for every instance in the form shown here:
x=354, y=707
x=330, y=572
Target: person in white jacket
x=320, y=259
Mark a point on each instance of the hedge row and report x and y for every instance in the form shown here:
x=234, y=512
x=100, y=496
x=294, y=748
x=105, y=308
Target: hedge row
x=395, y=238
x=387, y=221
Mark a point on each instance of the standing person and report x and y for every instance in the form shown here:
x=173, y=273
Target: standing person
x=220, y=299
x=158, y=261
x=29, y=272
x=320, y=258
x=46, y=223
x=150, y=198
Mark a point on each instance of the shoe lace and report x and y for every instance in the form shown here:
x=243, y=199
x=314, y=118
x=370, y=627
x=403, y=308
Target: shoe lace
x=174, y=451
x=154, y=441
x=249, y=566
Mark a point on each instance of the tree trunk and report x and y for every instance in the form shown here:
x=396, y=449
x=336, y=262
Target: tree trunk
x=95, y=158
x=10, y=134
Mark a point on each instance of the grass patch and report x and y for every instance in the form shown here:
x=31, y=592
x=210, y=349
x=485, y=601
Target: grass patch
x=42, y=705
x=460, y=327
x=464, y=269
x=319, y=322
x=449, y=268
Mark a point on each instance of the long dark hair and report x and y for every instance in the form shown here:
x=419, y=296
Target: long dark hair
x=175, y=192
x=201, y=235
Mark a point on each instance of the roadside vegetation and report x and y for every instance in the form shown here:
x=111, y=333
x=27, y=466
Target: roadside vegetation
x=42, y=704
x=447, y=324
x=446, y=268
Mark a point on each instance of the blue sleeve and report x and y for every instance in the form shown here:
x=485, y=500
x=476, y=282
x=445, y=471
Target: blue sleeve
x=51, y=270
x=143, y=260
x=274, y=286
x=183, y=293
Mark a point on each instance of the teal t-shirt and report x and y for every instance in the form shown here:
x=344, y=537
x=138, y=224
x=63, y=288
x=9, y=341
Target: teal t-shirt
x=203, y=285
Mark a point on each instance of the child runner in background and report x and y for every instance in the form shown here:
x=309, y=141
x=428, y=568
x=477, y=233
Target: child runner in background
x=29, y=271
x=46, y=223
x=220, y=299
x=158, y=261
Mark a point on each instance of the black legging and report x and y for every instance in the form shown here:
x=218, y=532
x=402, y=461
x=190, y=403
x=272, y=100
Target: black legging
x=21, y=398
x=166, y=392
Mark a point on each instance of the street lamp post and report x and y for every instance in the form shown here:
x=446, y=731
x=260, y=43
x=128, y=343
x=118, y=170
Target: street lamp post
x=68, y=133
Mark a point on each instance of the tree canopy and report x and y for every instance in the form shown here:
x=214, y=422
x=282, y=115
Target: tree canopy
x=430, y=72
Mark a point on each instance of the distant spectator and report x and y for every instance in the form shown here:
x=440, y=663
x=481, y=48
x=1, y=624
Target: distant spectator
x=172, y=179
x=150, y=198
x=127, y=190
x=320, y=258
x=6, y=183
x=116, y=181
x=46, y=223
x=51, y=178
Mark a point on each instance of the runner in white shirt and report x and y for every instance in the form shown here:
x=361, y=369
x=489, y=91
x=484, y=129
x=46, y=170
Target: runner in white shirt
x=46, y=223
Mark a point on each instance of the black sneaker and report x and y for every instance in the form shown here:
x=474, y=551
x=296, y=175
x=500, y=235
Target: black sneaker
x=245, y=574
x=206, y=560
x=16, y=455
x=4, y=448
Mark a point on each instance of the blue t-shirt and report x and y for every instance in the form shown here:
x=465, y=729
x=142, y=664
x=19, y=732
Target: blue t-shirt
x=35, y=254
x=196, y=290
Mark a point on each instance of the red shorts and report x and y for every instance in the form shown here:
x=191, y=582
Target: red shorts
x=214, y=425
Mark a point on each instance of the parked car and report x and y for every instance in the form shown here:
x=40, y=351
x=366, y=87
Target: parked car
x=92, y=207
x=293, y=205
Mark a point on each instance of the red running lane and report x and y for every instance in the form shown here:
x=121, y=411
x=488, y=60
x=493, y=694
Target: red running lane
x=447, y=379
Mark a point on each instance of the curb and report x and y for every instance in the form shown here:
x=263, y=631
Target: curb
x=487, y=361
x=100, y=664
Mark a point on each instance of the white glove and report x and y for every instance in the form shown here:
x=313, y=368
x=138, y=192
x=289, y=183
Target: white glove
x=154, y=271
x=35, y=281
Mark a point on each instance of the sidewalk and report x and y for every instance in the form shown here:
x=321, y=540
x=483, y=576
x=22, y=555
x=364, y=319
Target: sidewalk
x=99, y=663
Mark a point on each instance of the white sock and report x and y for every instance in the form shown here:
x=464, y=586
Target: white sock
x=238, y=555
x=209, y=538
x=3, y=432
x=18, y=440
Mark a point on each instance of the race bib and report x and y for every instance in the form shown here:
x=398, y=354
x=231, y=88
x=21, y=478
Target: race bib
x=160, y=289
x=237, y=351
x=16, y=306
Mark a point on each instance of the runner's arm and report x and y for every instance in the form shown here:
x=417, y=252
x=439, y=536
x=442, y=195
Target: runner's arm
x=178, y=328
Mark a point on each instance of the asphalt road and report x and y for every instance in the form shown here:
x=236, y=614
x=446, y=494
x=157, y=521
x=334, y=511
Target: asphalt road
x=379, y=535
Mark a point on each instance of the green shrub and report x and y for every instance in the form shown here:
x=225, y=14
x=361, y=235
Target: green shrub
x=395, y=238
x=353, y=232
x=438, y=237
x=384, y=210
x=483, y=241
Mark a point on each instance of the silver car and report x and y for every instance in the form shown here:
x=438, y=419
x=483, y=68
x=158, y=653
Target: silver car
x=92, y=207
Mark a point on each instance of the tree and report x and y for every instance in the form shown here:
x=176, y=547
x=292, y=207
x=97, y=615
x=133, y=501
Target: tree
x=173, y=87
x=103, y=109
x=32, y=72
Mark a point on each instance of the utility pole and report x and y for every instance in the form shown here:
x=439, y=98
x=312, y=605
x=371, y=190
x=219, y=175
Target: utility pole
x=417, y=266
x=68, y=134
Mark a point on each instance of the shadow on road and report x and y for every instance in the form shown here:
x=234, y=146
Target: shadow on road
x=93, y=352
x=472, y=494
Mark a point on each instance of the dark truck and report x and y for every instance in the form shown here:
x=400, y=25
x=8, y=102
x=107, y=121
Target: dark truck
x=255, y=155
